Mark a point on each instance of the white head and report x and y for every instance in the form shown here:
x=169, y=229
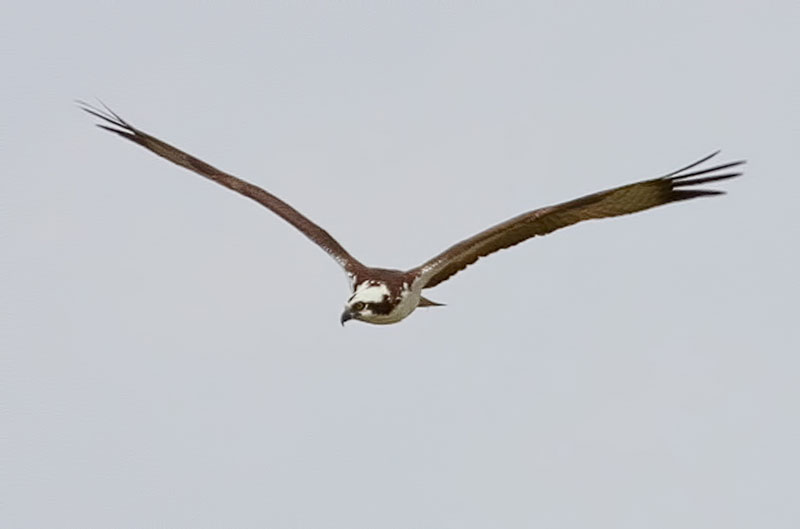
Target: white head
x=372, y=302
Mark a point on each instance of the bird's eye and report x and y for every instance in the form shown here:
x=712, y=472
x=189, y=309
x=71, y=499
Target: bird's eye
x=358, y=306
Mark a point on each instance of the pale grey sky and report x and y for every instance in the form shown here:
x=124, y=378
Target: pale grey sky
x=171, y=352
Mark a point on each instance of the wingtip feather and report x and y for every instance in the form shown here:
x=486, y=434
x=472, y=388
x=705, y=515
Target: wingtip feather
x=693, y=164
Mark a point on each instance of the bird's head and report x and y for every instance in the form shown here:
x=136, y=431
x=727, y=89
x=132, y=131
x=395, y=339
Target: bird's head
x=371, y=302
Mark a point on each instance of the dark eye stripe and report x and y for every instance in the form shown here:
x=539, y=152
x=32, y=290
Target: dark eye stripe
x=384, y=307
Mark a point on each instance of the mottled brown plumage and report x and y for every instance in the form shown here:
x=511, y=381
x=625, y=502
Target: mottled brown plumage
x=388, y=296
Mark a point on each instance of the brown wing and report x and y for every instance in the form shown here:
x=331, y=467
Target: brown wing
x=278, y=206
x=673, y=187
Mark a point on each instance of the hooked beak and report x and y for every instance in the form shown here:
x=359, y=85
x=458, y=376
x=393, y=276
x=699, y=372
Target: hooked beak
x=346, y=315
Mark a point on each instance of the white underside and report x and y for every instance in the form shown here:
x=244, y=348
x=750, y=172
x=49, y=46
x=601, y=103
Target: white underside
x=408, y=303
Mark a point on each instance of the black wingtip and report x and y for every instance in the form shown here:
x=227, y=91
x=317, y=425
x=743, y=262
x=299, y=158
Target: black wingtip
x=693, y=164
x=705, y=180
x=680, y=180
x=106, y=114
x=111, y=121
x=699, y=172
x=684, y=194
x=684, y=173
x=122, y=132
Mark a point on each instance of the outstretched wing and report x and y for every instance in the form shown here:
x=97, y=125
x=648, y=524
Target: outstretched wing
x=675, y=186
x=116, y=124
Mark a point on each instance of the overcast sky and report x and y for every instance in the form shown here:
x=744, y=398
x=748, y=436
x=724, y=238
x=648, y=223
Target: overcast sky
x=171, y=352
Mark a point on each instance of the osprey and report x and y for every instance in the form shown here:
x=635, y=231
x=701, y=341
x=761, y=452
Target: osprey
x=380, y=295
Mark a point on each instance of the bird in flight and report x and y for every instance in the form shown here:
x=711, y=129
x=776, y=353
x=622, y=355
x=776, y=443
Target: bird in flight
x=380, y=295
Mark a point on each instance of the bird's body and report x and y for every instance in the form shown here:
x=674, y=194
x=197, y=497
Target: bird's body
x=382, y=296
